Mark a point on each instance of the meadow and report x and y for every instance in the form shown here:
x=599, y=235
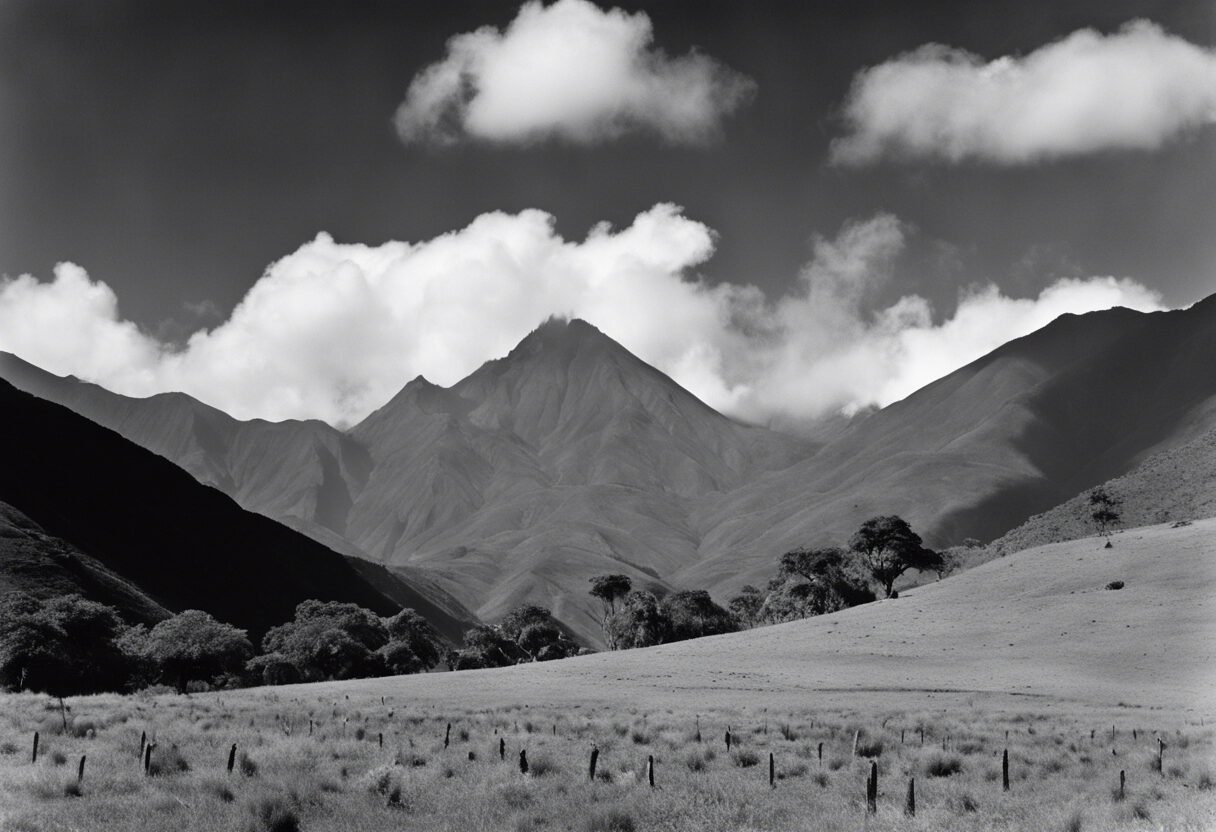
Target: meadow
x=315, y=758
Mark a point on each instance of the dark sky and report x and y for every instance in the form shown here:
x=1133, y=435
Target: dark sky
x=174, y=149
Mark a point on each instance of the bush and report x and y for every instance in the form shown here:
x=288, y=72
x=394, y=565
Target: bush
x=610, y=820
x=167, y=761
x=944, y=765
x=746, y=758
x=869, y=748
x=1115, y=585
x=541, y=765
x=246, y=765
x=270, y=813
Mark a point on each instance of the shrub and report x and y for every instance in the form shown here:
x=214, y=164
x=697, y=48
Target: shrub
x=516, y=796
x=270, y=813
x=1115, y=585
x=869, y=747
x=7, y=747
x=944, y=765
x=746, y=758
x=247, y=765
x=58, y=758
x=695, y=762
x=542, y=765
x=610, y=820
x=167, y=761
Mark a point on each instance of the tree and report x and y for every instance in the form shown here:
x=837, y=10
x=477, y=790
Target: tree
x=1104, y=511
x=823, y=580
x=536, y=638
x=192, y=645
x=639, y=622
x=746, y=606
x=409, y=631
x=484, y=646
x=522, y=617
x=331, y=640
x=888, y=548
x=532, y=630
x=66, y=646
x=609, y=589
x=692, y=613
x=273, y=669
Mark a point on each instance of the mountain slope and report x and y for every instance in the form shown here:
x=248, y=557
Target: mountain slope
x=182, y=543
x=44, y=566
x=973, y=454
x=564, y=459
x=1178, y=484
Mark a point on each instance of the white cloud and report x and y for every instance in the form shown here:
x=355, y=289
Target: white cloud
x=570, y=71
x=1137, y=88
x=333, y=330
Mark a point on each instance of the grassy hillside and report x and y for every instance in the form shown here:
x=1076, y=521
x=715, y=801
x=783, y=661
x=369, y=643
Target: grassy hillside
x=1036, y=624
x=1176, y=484
x=1028, y=656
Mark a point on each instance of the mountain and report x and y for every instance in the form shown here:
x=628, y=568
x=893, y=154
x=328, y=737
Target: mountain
x=570, y=457
x=170, y=538
x=1175, y=485
x=975, y=453
x=45, y=566
x=564, y=459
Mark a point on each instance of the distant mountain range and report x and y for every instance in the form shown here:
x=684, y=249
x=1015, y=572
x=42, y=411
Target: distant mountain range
x=571, y=457
x=83, y=509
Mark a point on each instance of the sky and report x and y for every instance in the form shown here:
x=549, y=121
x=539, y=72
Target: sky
x=289, y=209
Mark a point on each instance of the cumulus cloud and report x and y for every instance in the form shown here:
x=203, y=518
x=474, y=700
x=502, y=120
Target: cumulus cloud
x=569, y=71
x=1137, y=88
x=333, y=330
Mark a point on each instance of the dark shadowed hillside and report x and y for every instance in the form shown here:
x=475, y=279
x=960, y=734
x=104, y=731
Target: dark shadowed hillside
x=184, y=544
x=1174, y=485
x=36, y=563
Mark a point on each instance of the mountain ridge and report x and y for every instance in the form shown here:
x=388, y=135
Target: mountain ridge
x=570, y=457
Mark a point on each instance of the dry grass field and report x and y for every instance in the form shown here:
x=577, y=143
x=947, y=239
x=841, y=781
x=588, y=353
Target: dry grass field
x=1029, y=653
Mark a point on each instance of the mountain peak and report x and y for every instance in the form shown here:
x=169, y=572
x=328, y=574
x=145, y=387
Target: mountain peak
x=557, y=331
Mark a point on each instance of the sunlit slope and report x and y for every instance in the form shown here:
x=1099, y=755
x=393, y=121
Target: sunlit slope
x=1039, y=623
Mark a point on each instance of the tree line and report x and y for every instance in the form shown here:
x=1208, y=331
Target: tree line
x=808, y=582
x=69, y=645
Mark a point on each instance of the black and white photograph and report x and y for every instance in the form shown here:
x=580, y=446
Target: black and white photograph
x=607, y=416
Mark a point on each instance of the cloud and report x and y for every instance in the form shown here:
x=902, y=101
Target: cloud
x=1135, y=89
x=333, y=330
x=570, y=71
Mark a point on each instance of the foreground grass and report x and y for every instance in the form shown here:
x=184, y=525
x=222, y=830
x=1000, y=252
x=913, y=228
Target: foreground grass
x=316, y=762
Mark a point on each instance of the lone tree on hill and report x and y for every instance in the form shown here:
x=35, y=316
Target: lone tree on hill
x=1104, y=511
x=888, y=547
x=609, y=589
